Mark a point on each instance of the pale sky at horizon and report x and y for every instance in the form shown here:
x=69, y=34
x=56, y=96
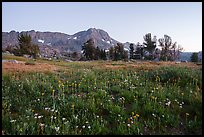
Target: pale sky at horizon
x=124, y=21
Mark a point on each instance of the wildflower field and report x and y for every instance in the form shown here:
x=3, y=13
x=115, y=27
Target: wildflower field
x=92, y=98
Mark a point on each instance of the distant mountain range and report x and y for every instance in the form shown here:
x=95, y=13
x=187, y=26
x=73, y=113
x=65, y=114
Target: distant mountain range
x=50, y=42
x=62, y=41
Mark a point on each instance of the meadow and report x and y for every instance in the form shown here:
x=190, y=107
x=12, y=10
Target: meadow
x=102, y=98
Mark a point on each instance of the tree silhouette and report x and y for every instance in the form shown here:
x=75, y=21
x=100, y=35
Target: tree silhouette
x=170, y=51
x=89, y=49
x=194, y=57
x=131, y=51
x=150, y=44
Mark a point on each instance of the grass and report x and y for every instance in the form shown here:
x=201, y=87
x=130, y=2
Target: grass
x=88, y=99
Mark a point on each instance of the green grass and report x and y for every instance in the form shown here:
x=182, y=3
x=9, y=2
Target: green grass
x=88, y=99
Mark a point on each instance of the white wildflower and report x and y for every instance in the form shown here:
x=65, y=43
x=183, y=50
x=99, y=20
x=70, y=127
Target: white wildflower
x=57, y=128
x=40, y=117
x=13, y=121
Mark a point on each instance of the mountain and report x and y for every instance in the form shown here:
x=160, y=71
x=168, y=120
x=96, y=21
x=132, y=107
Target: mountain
x=185, y=56
x=61, y=42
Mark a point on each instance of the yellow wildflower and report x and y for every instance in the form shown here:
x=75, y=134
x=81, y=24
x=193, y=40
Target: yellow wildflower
x=132, y=113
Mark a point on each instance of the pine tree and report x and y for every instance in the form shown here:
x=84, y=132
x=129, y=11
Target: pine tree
x=131, y=51
x=194, y=57
x=150, y=45
x=25, y=46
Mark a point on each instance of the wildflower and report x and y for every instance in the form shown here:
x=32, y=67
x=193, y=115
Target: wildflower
x=83, y=126
x=128, y=125
x=152, y=97
x=187, y=114
x=40, y=117
x=52, y=110
x=137, y=115
x=162, y=115
x=38, y=99
x=119, y=115
x=43, y=94
x=89, y=127
x=86, y=122
x=63, y=119
x=168, y=103
x=57, y=128
x=12, y=121
x=53, y=92
x=97, y=116
x=72, y=106
x=132, y=113
x=46, y=108
x=41, y=125
x=153, y=115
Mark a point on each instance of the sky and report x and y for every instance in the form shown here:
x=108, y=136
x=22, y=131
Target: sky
x=124, y=21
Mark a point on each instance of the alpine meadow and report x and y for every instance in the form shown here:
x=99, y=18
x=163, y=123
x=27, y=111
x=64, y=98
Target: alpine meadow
x=101, y=68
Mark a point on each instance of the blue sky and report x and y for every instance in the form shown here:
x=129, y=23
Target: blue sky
x=124, y=21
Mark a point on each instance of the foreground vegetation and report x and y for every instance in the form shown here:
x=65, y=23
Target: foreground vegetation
x=85, y=98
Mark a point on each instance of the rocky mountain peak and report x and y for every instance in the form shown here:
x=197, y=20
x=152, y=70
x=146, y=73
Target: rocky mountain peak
x=61, y=41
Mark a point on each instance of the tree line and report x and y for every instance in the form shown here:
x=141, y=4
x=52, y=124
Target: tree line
x=149, y=50
x=169, y=51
